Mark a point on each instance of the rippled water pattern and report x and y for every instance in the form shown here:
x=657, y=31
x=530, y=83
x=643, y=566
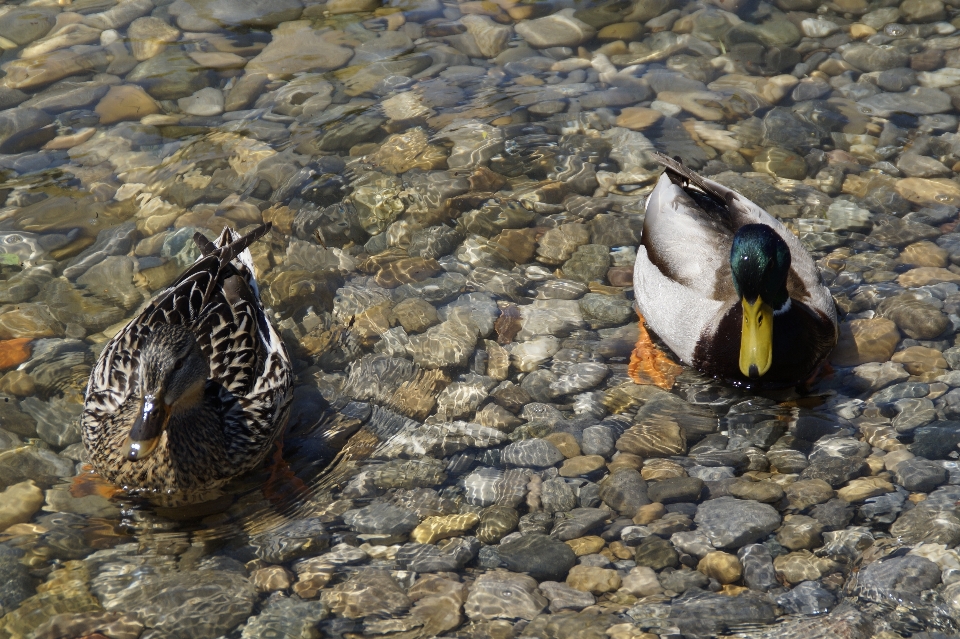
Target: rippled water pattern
x=456, y=191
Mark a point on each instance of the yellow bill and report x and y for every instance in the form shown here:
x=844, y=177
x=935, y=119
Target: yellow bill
x=756, y=342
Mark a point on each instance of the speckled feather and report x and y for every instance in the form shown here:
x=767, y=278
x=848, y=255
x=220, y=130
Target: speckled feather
x=247, y=396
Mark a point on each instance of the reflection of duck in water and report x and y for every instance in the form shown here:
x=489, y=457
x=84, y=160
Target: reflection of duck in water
x=194, y=390
x=727, y=287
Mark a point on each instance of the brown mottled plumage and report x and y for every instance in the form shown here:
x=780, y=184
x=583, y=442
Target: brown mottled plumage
x=206, y=341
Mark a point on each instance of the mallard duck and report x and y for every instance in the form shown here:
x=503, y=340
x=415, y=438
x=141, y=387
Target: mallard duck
x=194, y=390
x=727, y=287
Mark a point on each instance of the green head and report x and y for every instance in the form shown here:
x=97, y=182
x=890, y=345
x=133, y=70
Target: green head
x=760, y=261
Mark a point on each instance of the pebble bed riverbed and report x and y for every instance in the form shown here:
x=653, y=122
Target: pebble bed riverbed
x=456, y=190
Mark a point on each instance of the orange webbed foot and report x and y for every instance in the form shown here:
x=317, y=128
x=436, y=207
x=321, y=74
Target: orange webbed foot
x=282, y=484
x=650, y=365
x=89, y=482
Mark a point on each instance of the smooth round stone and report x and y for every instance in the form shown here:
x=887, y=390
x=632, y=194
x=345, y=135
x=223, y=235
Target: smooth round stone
x=125, y=102
x=558, y=30
x=496, y=522
x=381, y=519
x=626, y=31
x=662, y=439
x=921, y=166
x=148, y=36
x=205, y=103
x=538, y=453
x=538, y=555
x=864, y=488
x=675, y=490
x=606, y=311
x=916, y=101
x=781, y=163
x=233, y=13
x=297, y=47
x=271, y=578
x=865, y=340
x=818, y=27
x=896, y=80
x=501, y=595
x=766, y=492
x=563, y=597
x=656, y=553
x=19, y=502
x=433, y=529
x=925, y=254
x=868, y=57
x=909, y=575
x=847, y=216
x=807, y=598
x=800, y=532
x=565, y=443
x=799, y=566
x=169, y=75
x=23, y=25
x=723, y=567
x=593, y=580
x=625, y=491
x=582, y=466
x=922, y=10
x=915, y=318
x=598, y=440
x=641, y=581
x=920, y=475
x=920, y=359
x=638, y=118
x=732, y=523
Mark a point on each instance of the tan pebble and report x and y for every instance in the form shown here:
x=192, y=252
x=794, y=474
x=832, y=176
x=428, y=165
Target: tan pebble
x=722, y=566
x=621, y=551
x=732, y=591
x=893, y=459
x=586, y=545
x=565, y=443
x=916, y=498
x=858, y=31
x=865, y=340
x=638, y=118
x=18, y=383
x=593, y=579
x=69, y=141
x=125, y=102
x=929, y=192
x=642, y=581
x=924, y=254
x=577, y=466
x=271, y=578
x=648, y=513
x=858, y=490
x=920, y=359
x=18, y=503
x=925, y=275
x=433, y=529
x=625, y=460
x=310, y=584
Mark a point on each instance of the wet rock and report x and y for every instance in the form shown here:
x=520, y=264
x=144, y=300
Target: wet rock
x=865, y=340
x=296, y=47
x=656, y=553
x=366, y=593
x=733, y=523
x=288, y=617
x=381, y=518
x=920, y=475
x=916, y=101
x=177, y=604
x=936, y=441
x=205, y=15
x=24, y=128
x=807, y=598
x=758, y=571
x=563, y=597
x=605, y=311
x=448, y=556
x=593, y=579
x=723, y=567
x=909, y=575
x=624, y=491
x=561, y=29
x=538, y=453
x=292, y=540
x=540, y=556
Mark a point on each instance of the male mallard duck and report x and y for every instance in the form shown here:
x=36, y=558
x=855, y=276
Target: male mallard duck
x=194, y=390
x=727, y=287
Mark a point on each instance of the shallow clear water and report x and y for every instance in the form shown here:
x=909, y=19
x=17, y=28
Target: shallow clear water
x=456, y=192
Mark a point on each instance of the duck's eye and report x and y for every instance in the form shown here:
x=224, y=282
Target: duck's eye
x=178, y=365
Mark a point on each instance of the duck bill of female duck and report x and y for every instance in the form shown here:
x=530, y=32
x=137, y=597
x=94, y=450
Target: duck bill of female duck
x=152, y=419
x=756, y=341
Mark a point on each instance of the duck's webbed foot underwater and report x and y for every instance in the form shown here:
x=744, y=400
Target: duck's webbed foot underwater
x=650, y=365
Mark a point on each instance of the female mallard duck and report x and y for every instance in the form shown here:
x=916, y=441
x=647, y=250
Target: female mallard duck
x=727, y=287
x=194, y=390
